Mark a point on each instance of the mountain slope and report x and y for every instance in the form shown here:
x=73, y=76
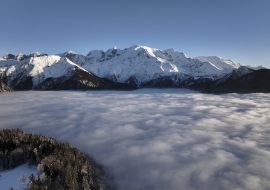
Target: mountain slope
x=138, y=65
x=57, y=165
x=257, y=81
x=51, y=73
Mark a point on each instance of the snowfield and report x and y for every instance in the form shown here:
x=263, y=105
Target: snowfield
x=156, y=138
x=10, y=178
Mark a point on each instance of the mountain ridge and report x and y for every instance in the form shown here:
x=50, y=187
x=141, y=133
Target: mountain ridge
x=253, y=82
x=133, y=67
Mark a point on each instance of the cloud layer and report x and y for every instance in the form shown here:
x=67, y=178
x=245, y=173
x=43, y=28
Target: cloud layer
x=156, y=138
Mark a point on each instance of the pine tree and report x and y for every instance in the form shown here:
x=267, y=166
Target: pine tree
x=32, y=178
x=68, y=179
x=39, y=182
x=1, y=161
x=60, y=166
x=11, y=162
x=100, y=187
x=23, y=178
x=85, y=183
x=75, y=177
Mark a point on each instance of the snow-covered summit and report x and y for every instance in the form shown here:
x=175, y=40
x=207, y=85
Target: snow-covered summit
x=137, y=65
x=257, y=68
x=219, y=62
x=38, y=68
x=69, y=52
x=142, y=64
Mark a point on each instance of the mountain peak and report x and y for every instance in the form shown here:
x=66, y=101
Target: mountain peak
x=9, y=56
x=35, y=54
x=135, y=47
x=96, y=53
x=70, y=52
x=171, y=50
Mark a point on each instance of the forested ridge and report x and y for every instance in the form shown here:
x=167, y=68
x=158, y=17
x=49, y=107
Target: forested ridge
x=60, y=166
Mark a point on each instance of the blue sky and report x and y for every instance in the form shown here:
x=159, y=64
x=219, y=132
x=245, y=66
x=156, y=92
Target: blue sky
x=232, y=29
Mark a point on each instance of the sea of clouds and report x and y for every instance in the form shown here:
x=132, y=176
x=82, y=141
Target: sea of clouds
x=156, y=138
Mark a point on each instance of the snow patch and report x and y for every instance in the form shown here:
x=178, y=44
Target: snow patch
x=10, y=178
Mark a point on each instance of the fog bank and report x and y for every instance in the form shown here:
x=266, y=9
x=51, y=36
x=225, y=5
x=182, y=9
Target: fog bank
x=156, y=138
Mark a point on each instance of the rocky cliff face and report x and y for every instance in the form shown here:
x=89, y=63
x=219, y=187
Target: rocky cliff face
x=4, y=87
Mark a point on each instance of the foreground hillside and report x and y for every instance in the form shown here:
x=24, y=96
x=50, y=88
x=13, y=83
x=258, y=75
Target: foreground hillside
x=11, y=178
x=60, y=166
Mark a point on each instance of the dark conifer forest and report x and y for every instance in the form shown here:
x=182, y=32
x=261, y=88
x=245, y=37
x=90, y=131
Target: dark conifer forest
x=59, y=165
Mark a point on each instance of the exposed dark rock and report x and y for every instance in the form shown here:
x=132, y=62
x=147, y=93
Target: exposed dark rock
x=21, y=57
x=110, y=85
x=9, y=56
x=35, y=54
x=186, y=82
x=165, y=81
x=132, y=81
x=229, y=78
x=198, y=84
x=257, y=81
x=4, y=87
x=82, y=80
x=26, y=84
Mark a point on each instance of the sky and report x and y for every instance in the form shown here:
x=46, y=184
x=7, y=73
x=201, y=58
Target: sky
x=158, y=139
x=232, y=29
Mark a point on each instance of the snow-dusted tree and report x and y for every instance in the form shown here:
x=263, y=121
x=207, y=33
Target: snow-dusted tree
x=85, y=183
x=23, y=179
x=68, y=179
x=1, y=161
x=32, y=185
x=40, y=169
x=100, y=187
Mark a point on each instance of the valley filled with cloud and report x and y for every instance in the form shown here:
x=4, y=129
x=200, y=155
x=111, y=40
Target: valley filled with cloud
x=156, y=138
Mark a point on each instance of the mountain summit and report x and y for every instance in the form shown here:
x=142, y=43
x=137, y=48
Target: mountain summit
x=137, y=66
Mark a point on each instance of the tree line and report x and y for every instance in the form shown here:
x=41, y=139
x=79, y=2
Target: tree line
x=59, y=165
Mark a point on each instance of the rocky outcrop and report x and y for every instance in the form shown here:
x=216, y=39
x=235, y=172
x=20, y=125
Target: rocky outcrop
x=4, y=87
x=21, y=57
x=81, y=80
x=9, y=56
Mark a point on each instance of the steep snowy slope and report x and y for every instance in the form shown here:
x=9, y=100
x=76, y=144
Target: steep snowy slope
x=140, y=64
x=218, y=62
x=48, y=72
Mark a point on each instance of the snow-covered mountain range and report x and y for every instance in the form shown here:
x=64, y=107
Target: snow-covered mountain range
x=137, y=66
